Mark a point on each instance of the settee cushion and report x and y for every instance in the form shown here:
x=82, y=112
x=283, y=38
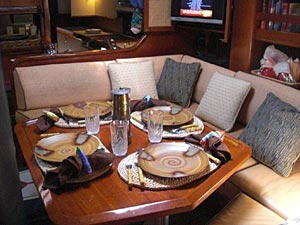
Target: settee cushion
x=260, y=87
x=222, y=100
x=177, y=81
x=273, y=134
x=138, y=76
x=278, y=193
x=61, y=84
x=244, y=210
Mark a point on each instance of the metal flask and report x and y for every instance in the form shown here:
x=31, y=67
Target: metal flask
x=121, y=106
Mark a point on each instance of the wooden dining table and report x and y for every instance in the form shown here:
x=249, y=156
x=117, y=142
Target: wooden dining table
x=108, y=199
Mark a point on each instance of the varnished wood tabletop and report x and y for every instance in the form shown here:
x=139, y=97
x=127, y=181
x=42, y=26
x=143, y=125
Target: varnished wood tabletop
x=108, y=200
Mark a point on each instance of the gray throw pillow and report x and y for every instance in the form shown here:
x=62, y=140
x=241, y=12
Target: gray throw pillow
x=273, y=134
x=177, y=82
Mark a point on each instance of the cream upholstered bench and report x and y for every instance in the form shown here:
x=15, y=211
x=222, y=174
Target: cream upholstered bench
x=243, y=210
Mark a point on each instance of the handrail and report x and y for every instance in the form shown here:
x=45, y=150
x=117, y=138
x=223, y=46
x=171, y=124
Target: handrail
x=20, y=9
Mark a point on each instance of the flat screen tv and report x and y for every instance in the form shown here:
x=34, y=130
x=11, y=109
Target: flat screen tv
x=199, y=11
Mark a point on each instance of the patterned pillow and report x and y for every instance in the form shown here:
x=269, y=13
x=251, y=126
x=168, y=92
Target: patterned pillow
x=222, y=100
x=138, y=76
x=273, y=134
x=177, y=81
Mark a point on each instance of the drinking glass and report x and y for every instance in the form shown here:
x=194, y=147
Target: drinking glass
x=119, y=137
x=92, y=120
x=155, y=125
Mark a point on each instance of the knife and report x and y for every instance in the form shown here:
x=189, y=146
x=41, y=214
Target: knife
x=141, y=175
x=188, y=127
x=129, y=167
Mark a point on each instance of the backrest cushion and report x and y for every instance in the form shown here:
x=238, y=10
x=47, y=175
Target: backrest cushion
x=61, y=84
x=177, y=81
x=207, y=71
x=222, y=100
x=260, y=88
x=138, y=76
x=158, y=62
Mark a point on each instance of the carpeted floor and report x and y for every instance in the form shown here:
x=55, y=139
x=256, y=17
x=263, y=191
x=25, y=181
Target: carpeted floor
x=36, y=214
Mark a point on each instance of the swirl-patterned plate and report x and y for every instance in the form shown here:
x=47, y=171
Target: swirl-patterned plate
x=182, y=117
x=76, y=110
x=59, y=147
x=172, y=160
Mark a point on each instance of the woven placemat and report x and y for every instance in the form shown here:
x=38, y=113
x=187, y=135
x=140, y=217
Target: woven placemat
x=74, y=124
x=153, y=182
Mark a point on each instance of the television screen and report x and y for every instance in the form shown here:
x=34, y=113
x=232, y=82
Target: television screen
x=199, y=11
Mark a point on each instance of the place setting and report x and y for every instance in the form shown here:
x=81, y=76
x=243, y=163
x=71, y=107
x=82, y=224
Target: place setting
x=74, y=115
x=177, y=122
x=71, y=158
x=166, y=165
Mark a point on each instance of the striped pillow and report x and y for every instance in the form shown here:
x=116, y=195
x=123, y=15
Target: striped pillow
x=273, y=134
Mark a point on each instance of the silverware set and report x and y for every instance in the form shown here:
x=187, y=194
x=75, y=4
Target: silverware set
x=135, y=165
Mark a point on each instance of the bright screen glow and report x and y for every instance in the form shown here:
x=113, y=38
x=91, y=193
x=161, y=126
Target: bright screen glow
x=196, y=8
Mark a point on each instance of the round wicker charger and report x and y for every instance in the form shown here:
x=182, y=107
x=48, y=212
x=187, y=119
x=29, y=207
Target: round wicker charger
x=153, y=182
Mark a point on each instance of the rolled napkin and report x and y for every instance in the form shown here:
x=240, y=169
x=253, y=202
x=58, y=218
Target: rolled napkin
x=72, y=170
x=216, y=147
x=144, y=103
x=44, y=122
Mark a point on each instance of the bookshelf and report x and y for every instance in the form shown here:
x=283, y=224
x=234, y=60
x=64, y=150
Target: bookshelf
x=282, y=36
x=249, y=39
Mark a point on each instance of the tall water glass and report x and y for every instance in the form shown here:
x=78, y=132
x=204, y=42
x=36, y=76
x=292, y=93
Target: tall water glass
x=92, y=120
x=119, y=137
x=155, y=125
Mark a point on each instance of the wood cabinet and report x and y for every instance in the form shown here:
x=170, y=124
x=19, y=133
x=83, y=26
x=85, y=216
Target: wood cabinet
x=17, y=43
x=249, y=40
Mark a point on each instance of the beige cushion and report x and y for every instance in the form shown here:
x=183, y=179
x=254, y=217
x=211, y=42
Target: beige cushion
x=158, y=62
x=222, y=100
x=21, y=116
x=138, y=76
x=245, y=211
x=207, y=71
x=61, y=84
x=260, y=88
x=280, y=194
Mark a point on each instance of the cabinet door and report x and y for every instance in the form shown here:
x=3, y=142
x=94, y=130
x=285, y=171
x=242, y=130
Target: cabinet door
x=157, y=15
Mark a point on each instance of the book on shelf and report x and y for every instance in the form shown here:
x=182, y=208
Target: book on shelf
x=263, y=23
x=272, y=7
x=278, y=10
x=294, y=10
x=285, y=11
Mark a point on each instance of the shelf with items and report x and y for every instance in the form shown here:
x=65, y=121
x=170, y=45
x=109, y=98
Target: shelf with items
x=249, y=39
x=281, y=37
